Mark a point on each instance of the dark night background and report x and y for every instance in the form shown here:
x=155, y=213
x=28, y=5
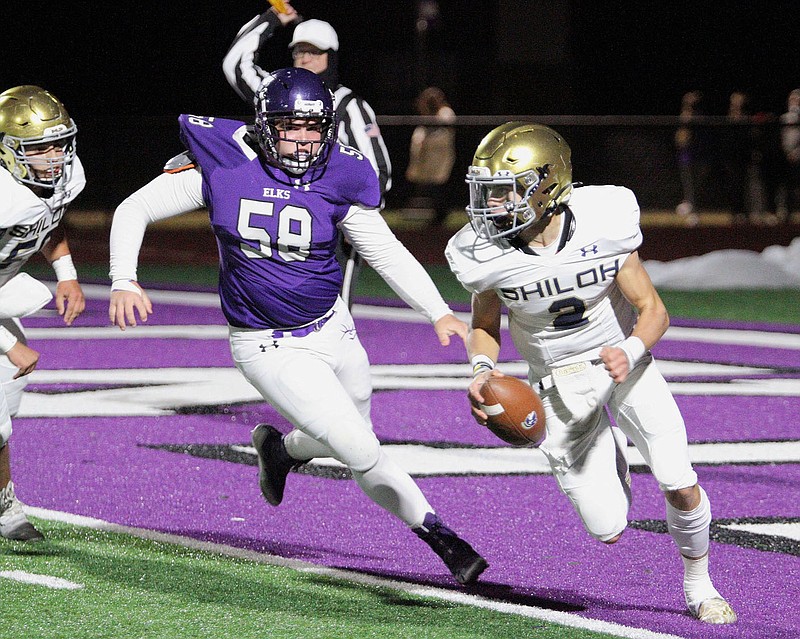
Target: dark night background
x=126, y=70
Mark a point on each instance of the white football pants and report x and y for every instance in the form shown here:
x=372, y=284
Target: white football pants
x=321, y=383
x=584, y=457
x=10, y=389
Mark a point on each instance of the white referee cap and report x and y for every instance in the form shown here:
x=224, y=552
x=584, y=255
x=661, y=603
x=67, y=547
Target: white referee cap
x=317, y=32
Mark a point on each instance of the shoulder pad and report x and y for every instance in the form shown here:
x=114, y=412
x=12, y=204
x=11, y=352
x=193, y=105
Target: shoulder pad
x=180, y=162
x=251, y=138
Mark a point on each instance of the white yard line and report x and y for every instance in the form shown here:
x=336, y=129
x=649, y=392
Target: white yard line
x=39, y=580
x=552, y=616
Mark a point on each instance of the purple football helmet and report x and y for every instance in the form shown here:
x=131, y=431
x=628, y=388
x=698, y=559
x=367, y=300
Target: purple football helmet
x=288, y=98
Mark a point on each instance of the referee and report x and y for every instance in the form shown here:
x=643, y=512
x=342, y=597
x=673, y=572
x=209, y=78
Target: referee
x=315, y=46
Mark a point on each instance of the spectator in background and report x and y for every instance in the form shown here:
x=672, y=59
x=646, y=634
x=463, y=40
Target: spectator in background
x=790, y=145
x=690, y=151
x=738, y=162
x=315, y=47
x=769, y=167
x=432, y=154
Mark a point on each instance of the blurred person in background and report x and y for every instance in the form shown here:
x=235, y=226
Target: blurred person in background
x=691, y=155
x=432, y=154
x=315, y=47
x=40, y=175
x=737, y=152
x=790, y=145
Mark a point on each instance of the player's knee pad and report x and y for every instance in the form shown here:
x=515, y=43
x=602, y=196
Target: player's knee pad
x=359, y=453
x=604, y=516
x=690, y=528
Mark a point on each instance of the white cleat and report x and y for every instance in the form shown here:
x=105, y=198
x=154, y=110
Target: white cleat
x=715, y=610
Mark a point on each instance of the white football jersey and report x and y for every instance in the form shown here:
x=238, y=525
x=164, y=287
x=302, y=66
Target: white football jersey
x=27, y=220
x=566, y=305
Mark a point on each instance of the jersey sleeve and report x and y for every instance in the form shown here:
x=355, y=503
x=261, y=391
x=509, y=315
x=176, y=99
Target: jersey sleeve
x=16, y=207
x=359, y=183
x=626, y=229
x=213, y=142
x=469, y=259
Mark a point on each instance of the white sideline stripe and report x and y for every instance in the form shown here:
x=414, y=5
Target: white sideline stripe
x=220, y=331
x=733, y=336
x=421, y=460
x=552, y=616
x=39, y=580
x=396, y=314
x=142, y=331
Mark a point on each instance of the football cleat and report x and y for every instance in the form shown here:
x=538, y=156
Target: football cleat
x=464, y=563
x=715, y=610
x=274, y=463
x=14, y=525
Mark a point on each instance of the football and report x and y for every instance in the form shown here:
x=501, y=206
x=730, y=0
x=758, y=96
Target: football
x=515, y=411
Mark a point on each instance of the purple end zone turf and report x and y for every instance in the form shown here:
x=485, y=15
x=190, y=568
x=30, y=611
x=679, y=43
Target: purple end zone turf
x=539, y=554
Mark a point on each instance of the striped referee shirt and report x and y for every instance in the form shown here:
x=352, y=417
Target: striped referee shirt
x=358, y=126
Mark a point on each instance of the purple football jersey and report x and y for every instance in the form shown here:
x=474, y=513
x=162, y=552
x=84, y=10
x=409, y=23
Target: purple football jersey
x=276, y=234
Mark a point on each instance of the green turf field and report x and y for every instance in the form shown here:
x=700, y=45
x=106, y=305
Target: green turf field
x=121, y=586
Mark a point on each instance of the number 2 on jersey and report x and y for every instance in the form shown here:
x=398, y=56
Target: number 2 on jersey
x=569, y=313
x=294, y=230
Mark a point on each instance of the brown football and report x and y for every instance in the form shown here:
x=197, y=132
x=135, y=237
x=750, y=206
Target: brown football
x=515, y=411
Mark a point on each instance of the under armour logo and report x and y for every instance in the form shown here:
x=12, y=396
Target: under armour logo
x=589, y=249
x=264, y=347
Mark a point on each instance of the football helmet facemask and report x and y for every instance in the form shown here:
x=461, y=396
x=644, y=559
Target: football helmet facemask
x=521, y=173
x=289, y=98
x=34, y=123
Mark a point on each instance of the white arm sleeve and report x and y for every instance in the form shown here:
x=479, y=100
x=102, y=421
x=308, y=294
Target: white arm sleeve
x=168, y=195
x=373, y=239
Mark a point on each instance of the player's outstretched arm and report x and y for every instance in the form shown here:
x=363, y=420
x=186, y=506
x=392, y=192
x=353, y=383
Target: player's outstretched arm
x=448, y=325
x=171, y=193
x=126, y=304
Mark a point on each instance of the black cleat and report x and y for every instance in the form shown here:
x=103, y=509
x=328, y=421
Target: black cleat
x=461, y=559
x=274, y=463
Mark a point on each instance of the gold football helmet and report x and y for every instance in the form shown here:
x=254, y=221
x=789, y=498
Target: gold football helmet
x=37, y=136
x=520, y=174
